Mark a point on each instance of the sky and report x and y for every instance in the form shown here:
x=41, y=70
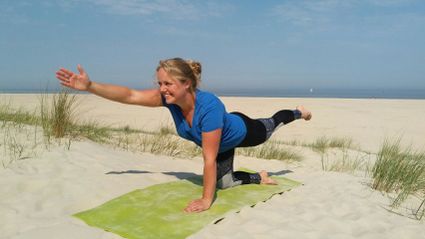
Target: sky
x=245, y=44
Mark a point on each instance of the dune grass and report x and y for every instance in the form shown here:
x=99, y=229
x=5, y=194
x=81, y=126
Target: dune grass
x=270, y=150
x=342, y=150
x=346, y=160
x=16, y=132
x=18, y=141
x=58, y=117
x=17, y=117
x=401, y=171
x=336, y=153
x=322, y=144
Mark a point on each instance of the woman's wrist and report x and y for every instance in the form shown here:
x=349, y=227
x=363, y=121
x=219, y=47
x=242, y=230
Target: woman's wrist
x=90, y=86
x=208, y=199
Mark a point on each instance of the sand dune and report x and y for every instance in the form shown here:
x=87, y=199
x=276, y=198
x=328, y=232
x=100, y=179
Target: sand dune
x=39, y=194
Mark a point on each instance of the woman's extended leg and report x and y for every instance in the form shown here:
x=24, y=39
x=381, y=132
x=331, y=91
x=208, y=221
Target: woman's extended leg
x=284, y=117
x=259, y=130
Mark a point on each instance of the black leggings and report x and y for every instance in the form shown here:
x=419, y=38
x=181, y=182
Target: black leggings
x=258, y=131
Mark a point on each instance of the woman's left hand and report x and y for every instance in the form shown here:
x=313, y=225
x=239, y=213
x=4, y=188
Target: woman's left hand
x=198, y=205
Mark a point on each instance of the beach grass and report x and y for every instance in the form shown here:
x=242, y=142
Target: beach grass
x=58, y=117
x=341, y=158
x=18, y=116
x=324, y=143
x=18, y=141
x=346, y=160
x=16, y=131
x=270, y=150
x=401, y=171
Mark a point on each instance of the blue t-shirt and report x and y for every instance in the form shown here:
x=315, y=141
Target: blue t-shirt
x=210, y=114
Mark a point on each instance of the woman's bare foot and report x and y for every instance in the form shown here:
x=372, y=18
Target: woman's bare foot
x=305, y=113
x=265, y=179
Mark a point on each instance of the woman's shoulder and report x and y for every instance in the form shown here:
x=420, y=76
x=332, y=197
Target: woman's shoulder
x=205, y=97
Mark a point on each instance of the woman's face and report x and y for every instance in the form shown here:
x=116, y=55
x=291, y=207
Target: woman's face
x=173, y=90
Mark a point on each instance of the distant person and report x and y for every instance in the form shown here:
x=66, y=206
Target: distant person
x=200, y=117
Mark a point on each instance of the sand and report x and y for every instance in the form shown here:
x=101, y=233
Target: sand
x=39, y=194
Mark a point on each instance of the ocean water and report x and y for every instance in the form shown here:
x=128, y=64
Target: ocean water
x=295, y=93
x=329, y=93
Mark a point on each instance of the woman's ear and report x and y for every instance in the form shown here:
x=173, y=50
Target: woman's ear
x=187, y=85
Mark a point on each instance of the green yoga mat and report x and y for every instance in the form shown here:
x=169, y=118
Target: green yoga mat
x=157, y=211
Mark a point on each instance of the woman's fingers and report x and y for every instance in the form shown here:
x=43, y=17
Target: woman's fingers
x=65, y=71
x=195, y=206
x=62, y=78
x=191, y=207
x=80, y=69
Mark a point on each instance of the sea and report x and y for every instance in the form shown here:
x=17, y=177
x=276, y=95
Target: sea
x=291, y=93
x=329, y=93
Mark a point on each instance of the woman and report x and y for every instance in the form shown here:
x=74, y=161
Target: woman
x=200, y=117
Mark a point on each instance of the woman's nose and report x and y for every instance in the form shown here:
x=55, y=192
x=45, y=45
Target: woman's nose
x=162, y=88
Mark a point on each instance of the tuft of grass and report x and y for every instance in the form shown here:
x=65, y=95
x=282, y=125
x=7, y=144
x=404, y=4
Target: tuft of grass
x=161, y=144
x=400, y=171
x=322, y=144
x=291, y=143
x=167, y=130
x=270, y=150
x=16, y=116
x=62, y=113
x=18, y=142
x=57, y=118
x=345, y=161
x=91, y=130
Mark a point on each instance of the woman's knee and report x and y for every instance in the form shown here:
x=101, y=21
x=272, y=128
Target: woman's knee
x=227, y=181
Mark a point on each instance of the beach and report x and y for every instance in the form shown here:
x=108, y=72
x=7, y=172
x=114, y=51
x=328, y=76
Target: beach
x=41, y=192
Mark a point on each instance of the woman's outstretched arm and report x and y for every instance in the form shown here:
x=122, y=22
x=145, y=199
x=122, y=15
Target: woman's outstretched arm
x=81, y=81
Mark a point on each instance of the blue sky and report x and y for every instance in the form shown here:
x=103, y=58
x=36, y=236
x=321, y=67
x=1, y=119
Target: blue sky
x=241, y=44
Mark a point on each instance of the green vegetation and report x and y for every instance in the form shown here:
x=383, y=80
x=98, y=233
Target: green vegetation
x=58, y=119
x=343, y=146
x=400, y=171
x=322, y=144
x=17, y=117
x=270, y=150
x=15, y=126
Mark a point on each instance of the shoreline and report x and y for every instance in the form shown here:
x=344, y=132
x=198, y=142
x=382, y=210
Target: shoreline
x=370, y=94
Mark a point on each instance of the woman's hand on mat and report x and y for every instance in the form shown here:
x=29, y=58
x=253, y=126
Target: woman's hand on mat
x=75, y=81
x=198, y=205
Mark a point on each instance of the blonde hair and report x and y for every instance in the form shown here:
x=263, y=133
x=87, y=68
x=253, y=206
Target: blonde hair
x=183, y=71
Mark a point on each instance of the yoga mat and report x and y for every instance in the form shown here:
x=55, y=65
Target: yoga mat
x=157, y=211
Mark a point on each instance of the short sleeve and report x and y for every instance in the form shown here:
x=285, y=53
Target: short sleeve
x=212, y=116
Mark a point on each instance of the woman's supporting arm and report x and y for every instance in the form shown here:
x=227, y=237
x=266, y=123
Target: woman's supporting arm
x=210, y=147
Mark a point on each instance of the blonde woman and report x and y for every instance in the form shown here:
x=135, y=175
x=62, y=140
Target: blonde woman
x=200, y=117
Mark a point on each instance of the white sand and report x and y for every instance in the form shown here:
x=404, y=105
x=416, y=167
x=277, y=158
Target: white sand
x=39, y=194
